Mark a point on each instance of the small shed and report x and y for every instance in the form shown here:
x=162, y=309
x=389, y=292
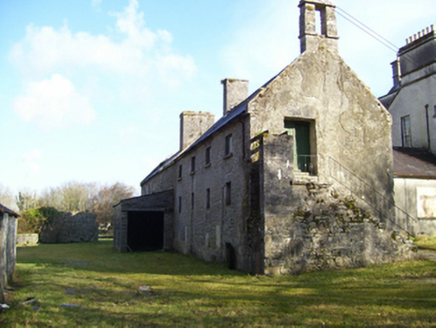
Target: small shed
x=8, y=241
x=415, y=187
x=144, y=223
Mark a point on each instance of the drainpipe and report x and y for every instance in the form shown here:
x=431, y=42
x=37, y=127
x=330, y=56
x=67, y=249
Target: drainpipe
x=428, y=128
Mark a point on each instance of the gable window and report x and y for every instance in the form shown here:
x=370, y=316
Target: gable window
x=192, y=164
x=208, y=198
x=228, y=193
x=304, y=145
x=207, y=156
x=180, y=172
x=406, y=131
x=228, y=146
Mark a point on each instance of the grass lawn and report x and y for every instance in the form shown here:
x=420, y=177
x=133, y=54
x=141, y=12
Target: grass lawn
x=91, y=285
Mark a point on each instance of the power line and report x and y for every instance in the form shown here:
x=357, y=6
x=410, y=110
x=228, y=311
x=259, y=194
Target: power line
x=367, y=30
x=375, y=35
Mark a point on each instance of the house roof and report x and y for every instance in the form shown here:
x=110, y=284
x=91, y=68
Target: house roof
x=4, y=209
x=414, y=163
x=223, y=121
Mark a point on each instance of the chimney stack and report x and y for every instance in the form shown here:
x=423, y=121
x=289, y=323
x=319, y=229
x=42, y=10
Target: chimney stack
x=309, y=38
x=193, y=125
x=396, y=71
x=235, y=91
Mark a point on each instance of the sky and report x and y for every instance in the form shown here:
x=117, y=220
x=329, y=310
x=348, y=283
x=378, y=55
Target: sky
x=92, y=90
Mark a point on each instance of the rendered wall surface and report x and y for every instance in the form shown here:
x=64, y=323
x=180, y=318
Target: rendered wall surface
x=351, y=127
x=409, y=195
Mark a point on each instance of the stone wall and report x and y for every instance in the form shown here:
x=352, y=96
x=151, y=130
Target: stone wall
x=8, y=233
x=330, y=231
x=27, y=239
x=348, y=123
x=69, y=228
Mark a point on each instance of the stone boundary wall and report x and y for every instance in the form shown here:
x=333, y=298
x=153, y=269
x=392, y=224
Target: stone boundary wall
x=69, y=228
x=27, y=239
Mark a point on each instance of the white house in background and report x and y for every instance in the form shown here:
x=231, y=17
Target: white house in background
x=412, y=104
x=412, y=100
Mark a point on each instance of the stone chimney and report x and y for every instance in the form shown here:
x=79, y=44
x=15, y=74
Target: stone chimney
x=235, y=91
x=193, y=125
x=396, y=71
x=309, y=37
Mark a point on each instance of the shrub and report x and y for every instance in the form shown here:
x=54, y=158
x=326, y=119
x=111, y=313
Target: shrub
x=34, y=218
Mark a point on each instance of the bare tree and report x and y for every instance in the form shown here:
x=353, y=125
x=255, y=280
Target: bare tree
x=26, y=200
x=106, y=198
x=7, y=197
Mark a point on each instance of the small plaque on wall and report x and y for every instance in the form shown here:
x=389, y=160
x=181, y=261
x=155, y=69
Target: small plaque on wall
x=426, y=202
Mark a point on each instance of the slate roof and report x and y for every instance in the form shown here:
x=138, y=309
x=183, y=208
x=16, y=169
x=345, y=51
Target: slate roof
x=414, y=163
x=223, y=121
x=4, y=209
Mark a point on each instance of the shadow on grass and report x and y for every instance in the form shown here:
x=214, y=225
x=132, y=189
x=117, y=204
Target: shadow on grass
x=102, y=257
x=190, y=292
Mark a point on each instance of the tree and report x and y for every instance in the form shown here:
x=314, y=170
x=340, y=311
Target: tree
x=106, y=198
x=7, y=197
x=33, y=219
x=26, y=200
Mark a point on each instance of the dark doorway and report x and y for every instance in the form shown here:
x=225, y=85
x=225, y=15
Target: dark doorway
x=145, y=231
x=230, y=256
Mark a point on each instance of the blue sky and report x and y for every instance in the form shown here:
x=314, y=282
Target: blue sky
x=91, y=90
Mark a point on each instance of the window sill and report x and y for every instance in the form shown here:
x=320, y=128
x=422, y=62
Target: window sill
x=192, y=173
x=179, y=179
x=208, y=165
x=228, y=156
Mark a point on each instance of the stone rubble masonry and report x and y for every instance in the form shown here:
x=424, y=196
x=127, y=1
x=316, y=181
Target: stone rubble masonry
x=235, y=91
x=8, y=234
x=69, y=228
x=27, y=239
x=193, y=125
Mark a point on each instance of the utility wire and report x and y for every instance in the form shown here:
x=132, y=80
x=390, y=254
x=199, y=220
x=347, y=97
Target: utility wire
x=375, y=35
x=367, y=30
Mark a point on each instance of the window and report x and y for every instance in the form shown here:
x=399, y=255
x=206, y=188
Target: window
x=207, y=157
x=406, y=131
x=301, y=131
x=180, y=204
x=208, y=198
x=434, y=111
x=229, y=145
x=193, y=164
x=180, y=172
x=228, y=193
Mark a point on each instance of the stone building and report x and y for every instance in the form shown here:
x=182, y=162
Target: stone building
x=8, y=237
x=412, y=104
x=296, y=176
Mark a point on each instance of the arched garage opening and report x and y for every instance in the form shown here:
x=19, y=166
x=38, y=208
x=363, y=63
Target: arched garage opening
x=145, y=231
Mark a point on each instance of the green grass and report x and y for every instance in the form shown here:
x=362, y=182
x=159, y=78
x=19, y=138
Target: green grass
x=426, y=242
x=187, y=292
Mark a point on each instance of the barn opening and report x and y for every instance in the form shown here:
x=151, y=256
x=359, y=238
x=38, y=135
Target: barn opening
x=145, y=231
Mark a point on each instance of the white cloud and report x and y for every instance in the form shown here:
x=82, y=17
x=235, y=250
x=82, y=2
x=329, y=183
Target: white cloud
x=32, y=160
x=134, y=50
x=54, y=103
x=95, y=3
